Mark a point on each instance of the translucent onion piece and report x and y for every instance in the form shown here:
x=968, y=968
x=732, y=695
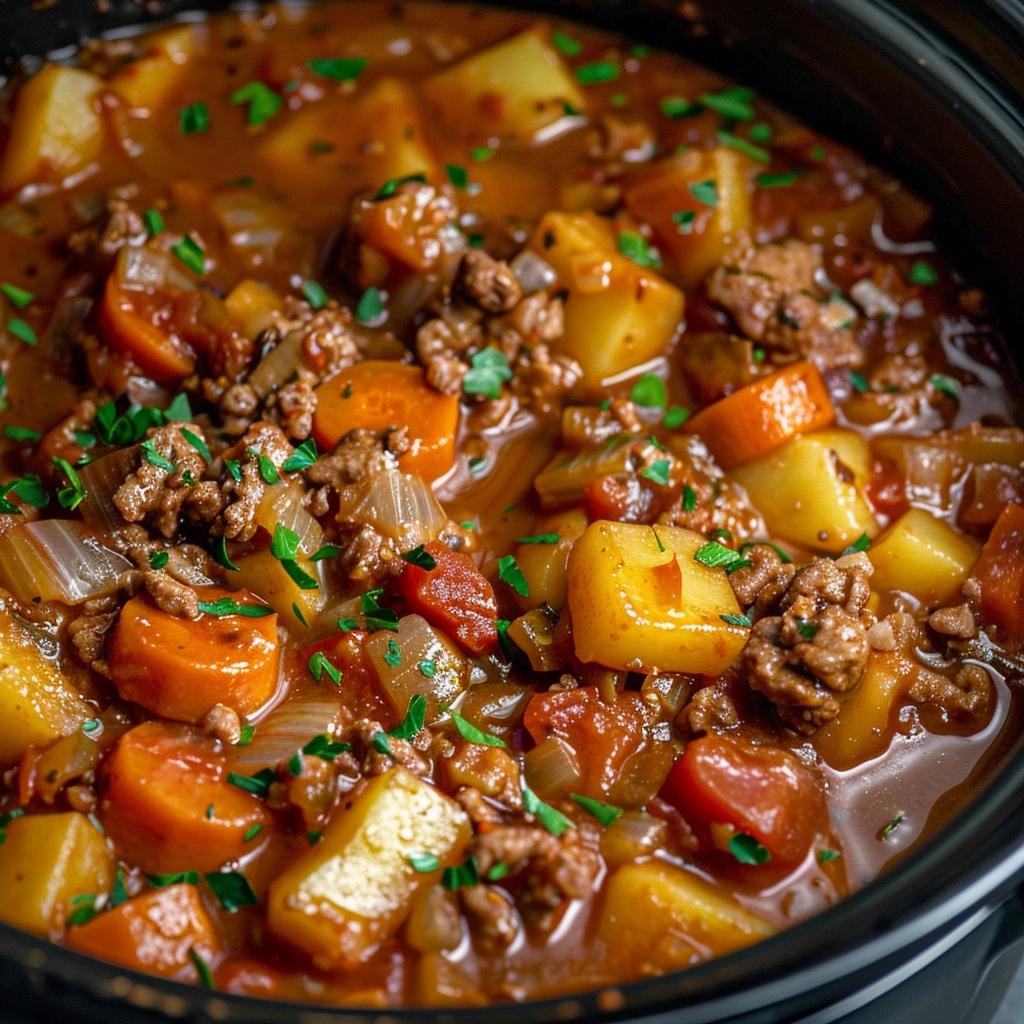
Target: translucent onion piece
x=287, y=728
x=533, y=273
x=101, y=478
x=399, y=506
x=282, y=503
x=417, y=659
x=635, y=834
x=277, y=365
x=144, y=268
x=58, y=560
x=253, y=224
x=551, y=769
x=873, y=300
x=564, y=480
x=71, y=757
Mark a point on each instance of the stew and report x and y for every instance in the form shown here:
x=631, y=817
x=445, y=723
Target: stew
x=491, y=510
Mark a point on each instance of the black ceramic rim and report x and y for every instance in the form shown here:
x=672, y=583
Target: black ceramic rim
x=929, y=894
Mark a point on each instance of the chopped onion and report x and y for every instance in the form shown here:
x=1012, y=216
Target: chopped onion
x=144, y=267
x=288, y=728
x=101, y=478
x=635, y=834
x=277, y=365
x=534, y=634
x=564, y=480
x=282, y=504
x=253, y=224
x=398, y=505
x=873, y=300
x=77, y=753
x=533, y=273
x=58, y=560
x=417, y=659
x=552, y=769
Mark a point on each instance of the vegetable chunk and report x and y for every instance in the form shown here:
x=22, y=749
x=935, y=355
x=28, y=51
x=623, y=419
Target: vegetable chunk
x=57, y=129
x=1000, y=573
x=351, y=891
x=617, y=313
x=37, y=704
x=637, y=607
x=46, y=861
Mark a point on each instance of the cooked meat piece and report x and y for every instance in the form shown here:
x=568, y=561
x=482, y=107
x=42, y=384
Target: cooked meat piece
x=477, y=806
x=710, y=710
x=374, y=760
x=116, y=227
x=224, y=723
x=772, y=294
x=538, y=318
x=968, y=694
x=957, y=622
x=818, y=647
x=443, y=342
x=293, y=405
x=487, y=282
x=619, y=139
x=368, y=556
x=360, y=453
x=492, y=915
x=763, y=582
x=542, y=380
x=329, y=342
x=88, y=634
x=170, y=596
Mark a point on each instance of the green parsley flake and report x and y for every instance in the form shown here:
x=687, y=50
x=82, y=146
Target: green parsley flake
x=158, y=559
x=649, y=391
x=154, y=221
x=252, y=832
x=715, y=556
x=156, y=458
x=487, y=373
x=393, y=653
x=510, y=573
x=232, y=889
x=263, y=102
x=23, y=331
x=567, y=45
x=635, y=247
x=733, y=103
x=480, y=154
x=675, y=416
x=427, y=669
x=705, y=192
x=463, y=876
x=391, y=186
x=677, y=107
x=658, y=472
x=246, y=735
x=258, y=784
x=744, y=146
x=923, y=273
x=539, y=538
x=457, y=175
x=320, y=665
x=420, y=557
x=175, y=878
x=890, y=826
x=424, y=863
x=370, y=308
x=605, y=813
x=736, y=620
x=807, y=630
x=341, y=69
x=684, y=221
x=471, y=734
x=302, y=458
x=945, y=386
x=760, y=132
x=827, y=856
x=191, y=254
x=314, y=294
x=73, y=495
x=549, y=817
x=16, y=433
x=689, y=503
x=194, y=118
x=377, y=617
x=324, y=747
x=597, y=73
x=225, y=606
x=221, y=556
x=198, y=443
x=777, y=179
x=859, y=382
x=326, y=551
x=862, y=543
x=747, y=850
x=18, y=297
x=267, y=468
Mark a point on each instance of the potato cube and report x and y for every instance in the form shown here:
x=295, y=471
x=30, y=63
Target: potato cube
x=923, y=556
x=513, y=89
x=375, y=136
x=660, y=195
x=253, y=306
x=264, y=575
x=617, y=313
x=641, y=602
x=45, y=862
x=57, y=128
x=810, y=491
x=647, y=906
x=150, y=81
x=545, y=566
x=352, y=890
x=37, y=704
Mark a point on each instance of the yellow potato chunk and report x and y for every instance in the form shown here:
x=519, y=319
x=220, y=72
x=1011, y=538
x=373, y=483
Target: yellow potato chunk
x=264, y=575
x=147, y=83
x=861, y=730
x=660, y=916
x=617, y=313
x=57, y=129
x=514, y=89
x=45, y=862
x=923, y=556
x=545, y=566
x=353, y=889
x=252, y=305
x=810, y=491
x=37, y=704
x=636, y=607
x=375, y=136
x=660, y=194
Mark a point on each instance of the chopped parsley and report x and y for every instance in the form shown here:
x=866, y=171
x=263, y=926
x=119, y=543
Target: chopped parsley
x=16, y=433
x=23, y=331
x=347, y=625
x=302, y=458
x=747, y=850
x=457, y=175
x=341, y=69
x=391, y=186
x=744, y=146
x=598, y=72
x=175, y=878
x=324, y=747
x=635, y=247
x=736, y=620
x=158, y=559
x=469, y=732
x=539, y=538
x=649, y=391
x=658, y=471
x=549, y=817
x=191, y=254
x=689, y=502
x=732, y=103
x=198, y=443
x=427, y=669
x=252, y=832
x=320, y=665
x=370, y=307
x=325, y=551
x=221, y=556
x=565, y=44
x=923, y=273
x=194, y=118
x=258, y=784
x=377, y=617
x=17, y=297
x=715, y=556
x=605, y=813
x=859, y=382
x=267, y=468
x=705, y=192
x=862, y=543
x=945, y=386
x=419, y=556
x=246, y=735
x=827, y=856
x=73, y=495
x=85, y=909
x=675, y=416
x=684, y=221
x=284, y=546
x=807, y=630
x=154, y=221
x=232, y=889
x=777, y=179
x=510, y=573
x=6, y=819
x=393, y=653
x=262, y=101
x=225, y=606
x=760, y=132
x=488, y=371
x=676, y=107
x=314, y=294
x=424, y=863
x=463, y=876
x=413, y=722
x=890, y=826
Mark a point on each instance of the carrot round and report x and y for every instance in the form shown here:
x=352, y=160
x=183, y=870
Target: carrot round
x=154, y=932
x=180, y=669
x=127, y=329
x=379, y=394
x=764, y=415
x=1000, y=573
x=168, y=806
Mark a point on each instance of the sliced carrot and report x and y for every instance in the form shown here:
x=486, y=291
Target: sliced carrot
x=167, y=804
x=379, y=394
x=132, y=329
x=180, y=669
x=764, y=415
x=154, y=932
x=1000, y=573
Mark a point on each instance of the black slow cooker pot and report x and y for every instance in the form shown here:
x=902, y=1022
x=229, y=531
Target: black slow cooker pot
x=934, y=91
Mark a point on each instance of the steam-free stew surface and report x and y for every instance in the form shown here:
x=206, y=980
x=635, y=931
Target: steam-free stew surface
x=492, y=510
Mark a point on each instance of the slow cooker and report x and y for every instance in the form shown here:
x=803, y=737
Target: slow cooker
x=934, y=92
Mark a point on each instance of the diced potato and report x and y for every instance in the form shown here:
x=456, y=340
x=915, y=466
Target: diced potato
x=639, y=608
x=810, y=491
x=47, y=860
x=149, y=82
x=923, y=556
x=617, y=313
x=252, y=306
x=352, y=890
x=264, y=575
x=657, y=194
x=545, y=566
x=37, y=704
x=376, y=135
x=57, y=128
x=861, y=730
x=515, y=88
x=852, y=221
x=647, y=906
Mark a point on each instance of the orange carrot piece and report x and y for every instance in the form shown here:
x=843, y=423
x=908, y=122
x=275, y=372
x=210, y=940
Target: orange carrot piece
x=154, y=932
x=128, y=329
x=379, y=394
x=180, y=669
x=764, y=415
x=167, y=804
x=1000, y=573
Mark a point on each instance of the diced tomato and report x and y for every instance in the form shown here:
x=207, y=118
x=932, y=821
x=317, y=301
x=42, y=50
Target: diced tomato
x=619, y=759
x=1000, y=573
x=762, y=791
x=622, y=501
x=887, y=494
x=454, y=596
x=358, y=691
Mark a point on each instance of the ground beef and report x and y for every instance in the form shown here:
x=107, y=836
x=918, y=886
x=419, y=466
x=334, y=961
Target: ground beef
x=967, y=695
x=443, y=342
x=762, y=584
x=359, y=454
x=492, y=915
x=170, y=596
x=223, y=723
x=88, y=634
x=772, y=294
x=617, y=139
x=487, y=282
x=956, y=622
x=119, y=225
x=818, y=647
x=710, y=710
x=293, y=404
x=542, y=379
x=373, y=761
